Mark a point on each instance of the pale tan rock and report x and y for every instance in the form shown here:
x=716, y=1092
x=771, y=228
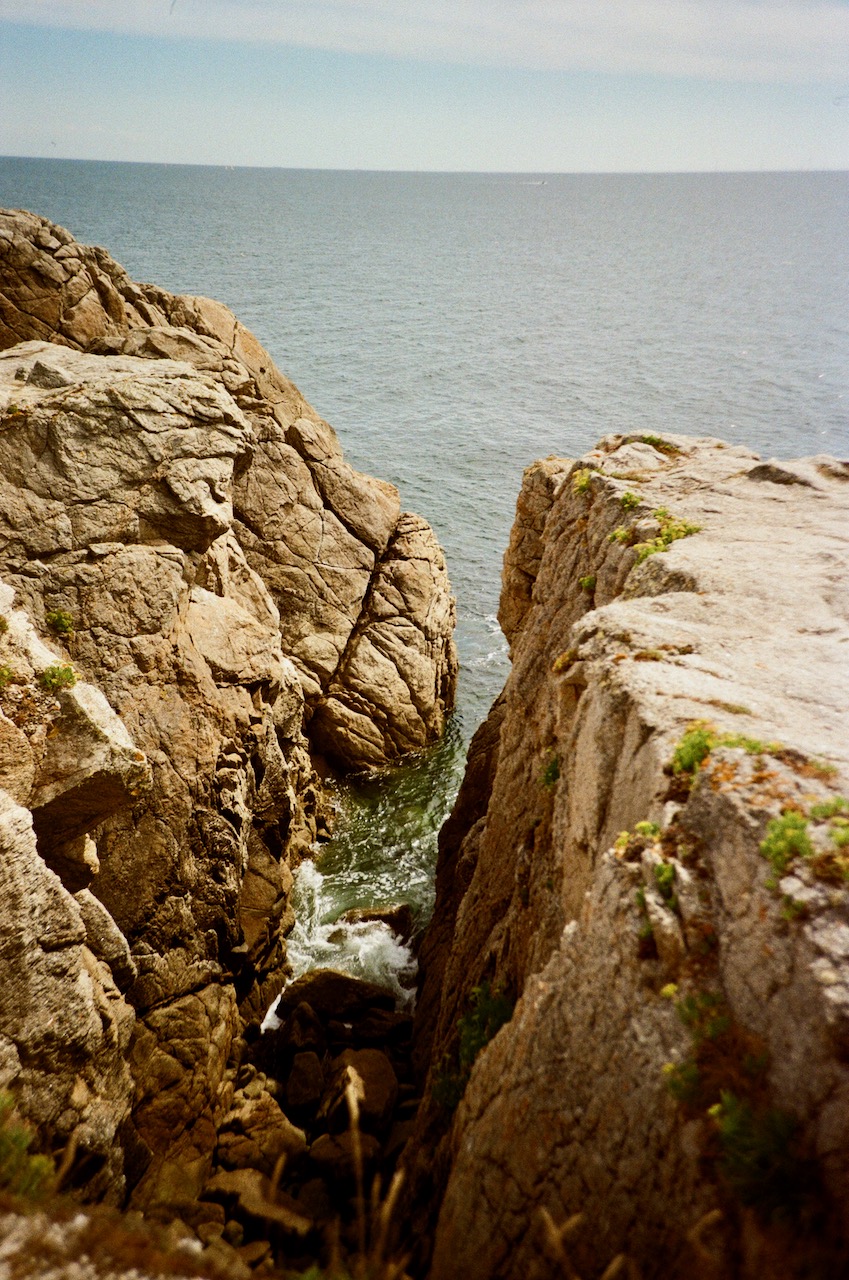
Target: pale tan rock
x=743, y=624
x=317, y=531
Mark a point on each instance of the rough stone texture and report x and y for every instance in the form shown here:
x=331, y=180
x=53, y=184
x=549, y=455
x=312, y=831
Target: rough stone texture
x=229, y=576
x=744, y=625
x=64, y=1027
x=361, y=589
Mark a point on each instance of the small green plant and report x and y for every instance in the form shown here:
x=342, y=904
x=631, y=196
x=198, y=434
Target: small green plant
x=758, y=1158
x=488, y=1012
x=6, y=674
x=59, y=676
x=647, y=829
x=664, y=876
x=829, y=808
x=581, y=481
x=839, y=833
x=564, y=661
x=786, y=838
x=621, y=535
x=60, y=622
x=4, y=625
x=551, y=772
x=630, y=500
x=694, y=748
x=792, y=909
x=587, y=583
x=671, y=530
x=21, y=1174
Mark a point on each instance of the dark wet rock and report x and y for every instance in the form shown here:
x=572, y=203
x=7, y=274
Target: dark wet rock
x=334, y=995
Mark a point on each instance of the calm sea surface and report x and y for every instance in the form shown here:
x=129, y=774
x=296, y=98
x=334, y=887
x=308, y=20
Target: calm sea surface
x=452, y=328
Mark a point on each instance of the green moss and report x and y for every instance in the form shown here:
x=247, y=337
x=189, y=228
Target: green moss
x=664, y=875
x=663, y=446
x=59, y=676
x=630, y=500
x=587, y=583
x=6, y=674
x=649, y=829
x=551, y=772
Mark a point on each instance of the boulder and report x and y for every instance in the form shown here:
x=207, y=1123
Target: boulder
x=331, y=994
x=371, y=1076
x=305, y=1084
x=255, y=1133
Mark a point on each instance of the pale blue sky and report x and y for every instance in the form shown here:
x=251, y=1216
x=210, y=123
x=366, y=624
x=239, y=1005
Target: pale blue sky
x=529, y=85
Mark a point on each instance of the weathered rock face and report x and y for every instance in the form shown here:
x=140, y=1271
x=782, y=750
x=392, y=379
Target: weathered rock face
x=184, y=528
x=65, y=762
x=670, y=971
x=366, y=612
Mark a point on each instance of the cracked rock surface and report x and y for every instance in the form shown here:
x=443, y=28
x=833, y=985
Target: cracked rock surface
x=180, y=531
x=596, y=1096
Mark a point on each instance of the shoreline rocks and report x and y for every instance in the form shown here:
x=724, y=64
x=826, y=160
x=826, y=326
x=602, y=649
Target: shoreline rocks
x=620, y=863
x=215, y=589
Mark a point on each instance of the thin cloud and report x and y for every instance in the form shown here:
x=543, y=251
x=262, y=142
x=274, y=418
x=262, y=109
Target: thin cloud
x=764, y=40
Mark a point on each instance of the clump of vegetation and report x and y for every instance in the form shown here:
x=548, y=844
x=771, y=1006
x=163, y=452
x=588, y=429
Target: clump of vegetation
x=694, y=748
x=4, y=625
x=21, y=1174
x=60, y=622
x=663, y=446
x=581, y=481
x=671, y=530
x=786, y=838
x=647, y=829
x=622, y=535
x=758, y=1158
x=832, y=808
x=564, y=661
x=488, y=1012
x=664, y=877
x=630, y=500
x=551, y=772
x=587, y=583
x=700, y=739
x=59, y=676
x=6, y=674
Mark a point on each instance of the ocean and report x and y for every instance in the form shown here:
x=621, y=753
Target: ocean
x=452, y=328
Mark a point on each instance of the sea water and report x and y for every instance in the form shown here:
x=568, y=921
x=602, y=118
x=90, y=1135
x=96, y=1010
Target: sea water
x=452, y=328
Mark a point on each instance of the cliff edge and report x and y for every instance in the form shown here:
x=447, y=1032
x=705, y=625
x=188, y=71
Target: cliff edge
x=212, y=596
x=646, y=880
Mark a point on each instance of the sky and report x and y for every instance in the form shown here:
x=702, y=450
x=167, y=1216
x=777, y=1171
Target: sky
x=481, y=85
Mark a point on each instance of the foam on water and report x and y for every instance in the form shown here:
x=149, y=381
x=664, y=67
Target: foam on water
x=367, y=949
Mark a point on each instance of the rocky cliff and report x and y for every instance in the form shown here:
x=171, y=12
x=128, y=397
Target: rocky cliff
x=646, y=876
x=221, y=596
